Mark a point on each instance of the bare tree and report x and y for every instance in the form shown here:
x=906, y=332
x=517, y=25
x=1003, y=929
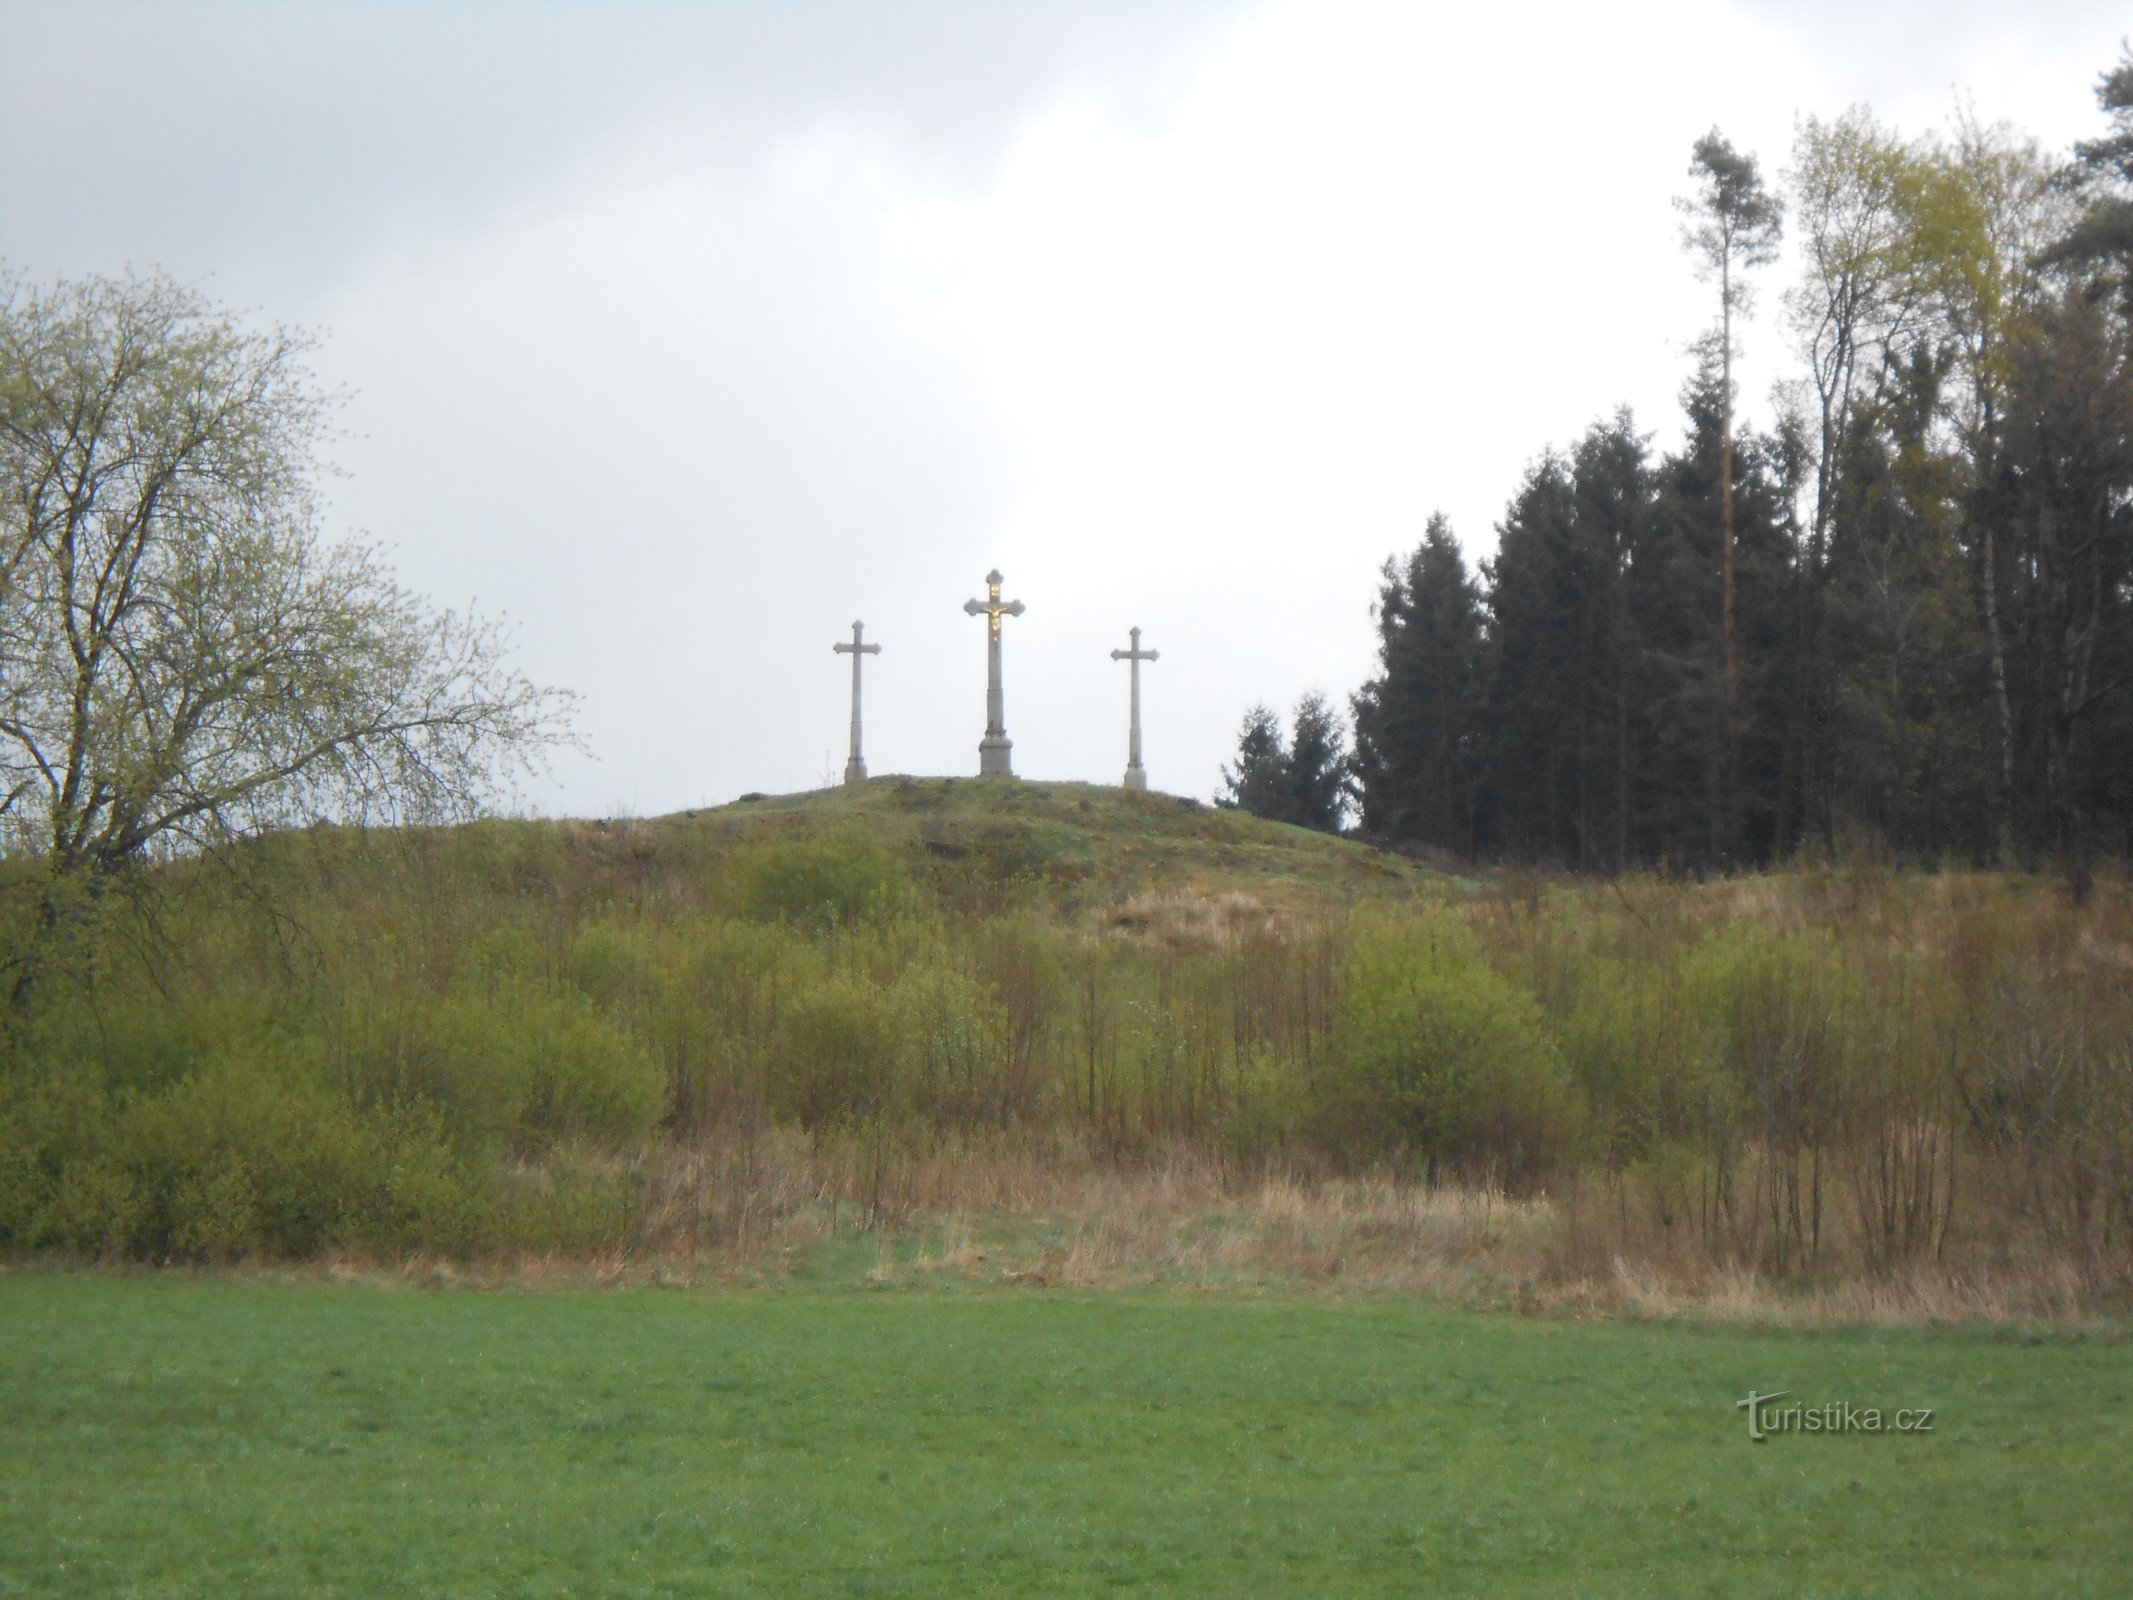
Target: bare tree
x=184, y=659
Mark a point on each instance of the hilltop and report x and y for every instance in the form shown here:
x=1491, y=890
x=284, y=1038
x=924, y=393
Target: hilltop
x=1081, y=844
x=1081, y=853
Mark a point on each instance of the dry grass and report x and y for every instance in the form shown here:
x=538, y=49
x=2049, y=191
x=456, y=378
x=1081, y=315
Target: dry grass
x=2045, y=1292
x=773, y=1205
x=1197, y=919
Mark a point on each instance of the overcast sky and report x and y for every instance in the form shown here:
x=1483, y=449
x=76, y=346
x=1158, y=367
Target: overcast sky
x=685, y=335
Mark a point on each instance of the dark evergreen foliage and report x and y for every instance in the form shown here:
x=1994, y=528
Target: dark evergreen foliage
x=2102, y=239
x=1259, y=783
x=1933, y=663
x=1318, y=765
x=1570, y=709
x=1415, y=723
x=1302, y=779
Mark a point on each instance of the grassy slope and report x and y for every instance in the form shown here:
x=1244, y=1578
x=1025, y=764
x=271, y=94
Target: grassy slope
x=1090, y=843
x=178, y=1437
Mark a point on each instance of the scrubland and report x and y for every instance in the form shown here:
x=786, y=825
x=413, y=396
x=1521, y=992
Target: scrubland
x=1057, y=1034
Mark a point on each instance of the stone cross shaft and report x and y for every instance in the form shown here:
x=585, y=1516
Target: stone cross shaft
x=855, y=769
x=1136, y=774
x=995, y=749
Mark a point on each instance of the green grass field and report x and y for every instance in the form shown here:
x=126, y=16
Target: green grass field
x=171, y=1436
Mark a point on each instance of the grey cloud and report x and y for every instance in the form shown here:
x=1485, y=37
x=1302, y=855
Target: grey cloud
x=268, y=144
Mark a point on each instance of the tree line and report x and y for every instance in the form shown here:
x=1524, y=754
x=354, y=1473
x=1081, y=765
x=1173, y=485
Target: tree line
x=1901, y=619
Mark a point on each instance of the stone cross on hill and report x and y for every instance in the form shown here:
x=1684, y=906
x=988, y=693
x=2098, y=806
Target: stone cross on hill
x=855, y=770
x=994, y=760
x=1136, y=774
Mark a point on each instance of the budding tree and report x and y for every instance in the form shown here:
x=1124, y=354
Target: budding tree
x=184, y=658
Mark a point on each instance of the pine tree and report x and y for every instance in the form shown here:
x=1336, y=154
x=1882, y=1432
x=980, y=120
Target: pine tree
x=1734, y=224
x=2102, y=239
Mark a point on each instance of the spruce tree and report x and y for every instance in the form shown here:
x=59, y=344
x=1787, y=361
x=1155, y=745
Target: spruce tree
x=1318, y=765
x=1414, y=721
x=1611, y=484
x=1527, y=743
x=1259, y=783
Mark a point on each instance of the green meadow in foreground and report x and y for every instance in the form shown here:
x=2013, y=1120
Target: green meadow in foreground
x=173, y=1436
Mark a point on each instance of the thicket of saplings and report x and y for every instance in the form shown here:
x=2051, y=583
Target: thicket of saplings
x=522, y=1038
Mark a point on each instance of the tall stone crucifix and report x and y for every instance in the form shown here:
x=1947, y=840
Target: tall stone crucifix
x=855, y=770
x=994, y=750
x=1136, y=774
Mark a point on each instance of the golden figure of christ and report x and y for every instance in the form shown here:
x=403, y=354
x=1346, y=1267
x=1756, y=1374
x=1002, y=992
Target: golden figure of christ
x=995, y=749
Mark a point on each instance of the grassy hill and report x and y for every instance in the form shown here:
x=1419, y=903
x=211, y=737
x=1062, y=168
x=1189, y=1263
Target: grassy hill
x=1091, y=856
x=1081, y=844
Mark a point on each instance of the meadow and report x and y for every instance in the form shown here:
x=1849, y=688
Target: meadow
x=176, y=1435
x=1141, y=1040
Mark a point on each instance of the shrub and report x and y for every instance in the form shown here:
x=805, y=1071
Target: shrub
x=1269, y=1103
x=251, y=1154
x=610, y=962
x=241, y=1157
x=1438, y=1058
x=954, y=1048
x=833, y=1054
x=93, y=1209
x=573, y=1202
x=518, y=1065
x=825, y=880
x=1783, y=1010
x=53, y=1129
x=1638, y=1051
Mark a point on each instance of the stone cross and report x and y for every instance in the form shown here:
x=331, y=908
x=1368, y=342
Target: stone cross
x=855, y=770
x=1136, y=774
x=994, y=749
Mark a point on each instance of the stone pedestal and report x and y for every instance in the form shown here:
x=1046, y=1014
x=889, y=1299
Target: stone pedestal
x=996, y=757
